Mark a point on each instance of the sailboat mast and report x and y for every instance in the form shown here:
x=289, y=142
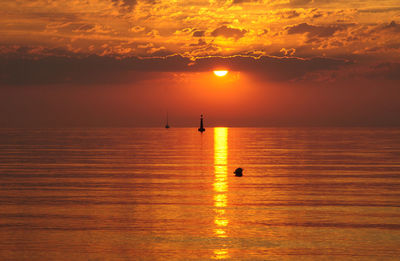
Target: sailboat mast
x=167, y=125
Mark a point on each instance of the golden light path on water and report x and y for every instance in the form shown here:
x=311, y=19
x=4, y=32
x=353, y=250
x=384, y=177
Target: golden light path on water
x=220, y=187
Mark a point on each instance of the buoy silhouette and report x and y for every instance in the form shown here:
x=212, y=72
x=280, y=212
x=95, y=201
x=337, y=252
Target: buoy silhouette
x=201, y=129
x=238, y=172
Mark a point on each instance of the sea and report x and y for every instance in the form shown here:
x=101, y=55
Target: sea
x=171, y=194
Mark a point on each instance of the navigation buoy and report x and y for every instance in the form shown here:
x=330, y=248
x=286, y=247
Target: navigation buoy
x=201, y=129
x=238, y=172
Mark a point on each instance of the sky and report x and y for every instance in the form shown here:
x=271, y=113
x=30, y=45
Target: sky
x=124, y=63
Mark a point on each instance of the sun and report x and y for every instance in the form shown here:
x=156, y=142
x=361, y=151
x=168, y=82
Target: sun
x=220, y=73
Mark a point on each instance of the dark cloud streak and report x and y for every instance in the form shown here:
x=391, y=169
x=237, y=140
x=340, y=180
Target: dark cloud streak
x=229, y=32
x=129, y=4
x=314, y=30
x=93, y=69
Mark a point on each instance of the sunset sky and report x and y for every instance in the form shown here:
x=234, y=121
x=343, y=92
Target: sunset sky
x=124, y=63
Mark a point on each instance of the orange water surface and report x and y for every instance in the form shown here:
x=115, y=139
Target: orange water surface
x=156, y=194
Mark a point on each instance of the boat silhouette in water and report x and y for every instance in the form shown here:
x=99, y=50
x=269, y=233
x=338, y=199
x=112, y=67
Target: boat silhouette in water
x=167, y=125
x=201, y=129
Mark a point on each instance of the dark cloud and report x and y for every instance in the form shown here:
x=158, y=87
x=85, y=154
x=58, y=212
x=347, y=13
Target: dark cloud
x=390, y=30
x=314, y=30
x=91, y=69
x=200, y=42
x=317, y=14
x=264, y=32
x=393, y=26
x=32, y=69
x=162, y=52
x=243, y=1
x=290, y=14
x=379, y=10
x=300, y=2
x=85, y=27
x=394, y=45
x=386, y=71
x=29, y=52
x=229, y=32
x=77, y=27
x=198, y=33
x=309, y=2
x=53, y=16
x=272, y=68
x=128, y=4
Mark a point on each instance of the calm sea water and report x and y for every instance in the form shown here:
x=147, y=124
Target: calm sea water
x=156, y=194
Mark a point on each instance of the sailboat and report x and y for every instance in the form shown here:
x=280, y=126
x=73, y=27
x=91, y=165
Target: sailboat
x=167, y=125
x=201, y=129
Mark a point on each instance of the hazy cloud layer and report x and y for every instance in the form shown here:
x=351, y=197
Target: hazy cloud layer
x=108, y=69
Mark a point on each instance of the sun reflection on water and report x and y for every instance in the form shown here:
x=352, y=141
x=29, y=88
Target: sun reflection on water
x=221, y=254
x=220, y=187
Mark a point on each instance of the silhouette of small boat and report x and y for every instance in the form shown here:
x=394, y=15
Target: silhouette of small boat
x=167, y=125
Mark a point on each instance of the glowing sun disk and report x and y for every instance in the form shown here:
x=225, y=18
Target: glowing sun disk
x=220, y=73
